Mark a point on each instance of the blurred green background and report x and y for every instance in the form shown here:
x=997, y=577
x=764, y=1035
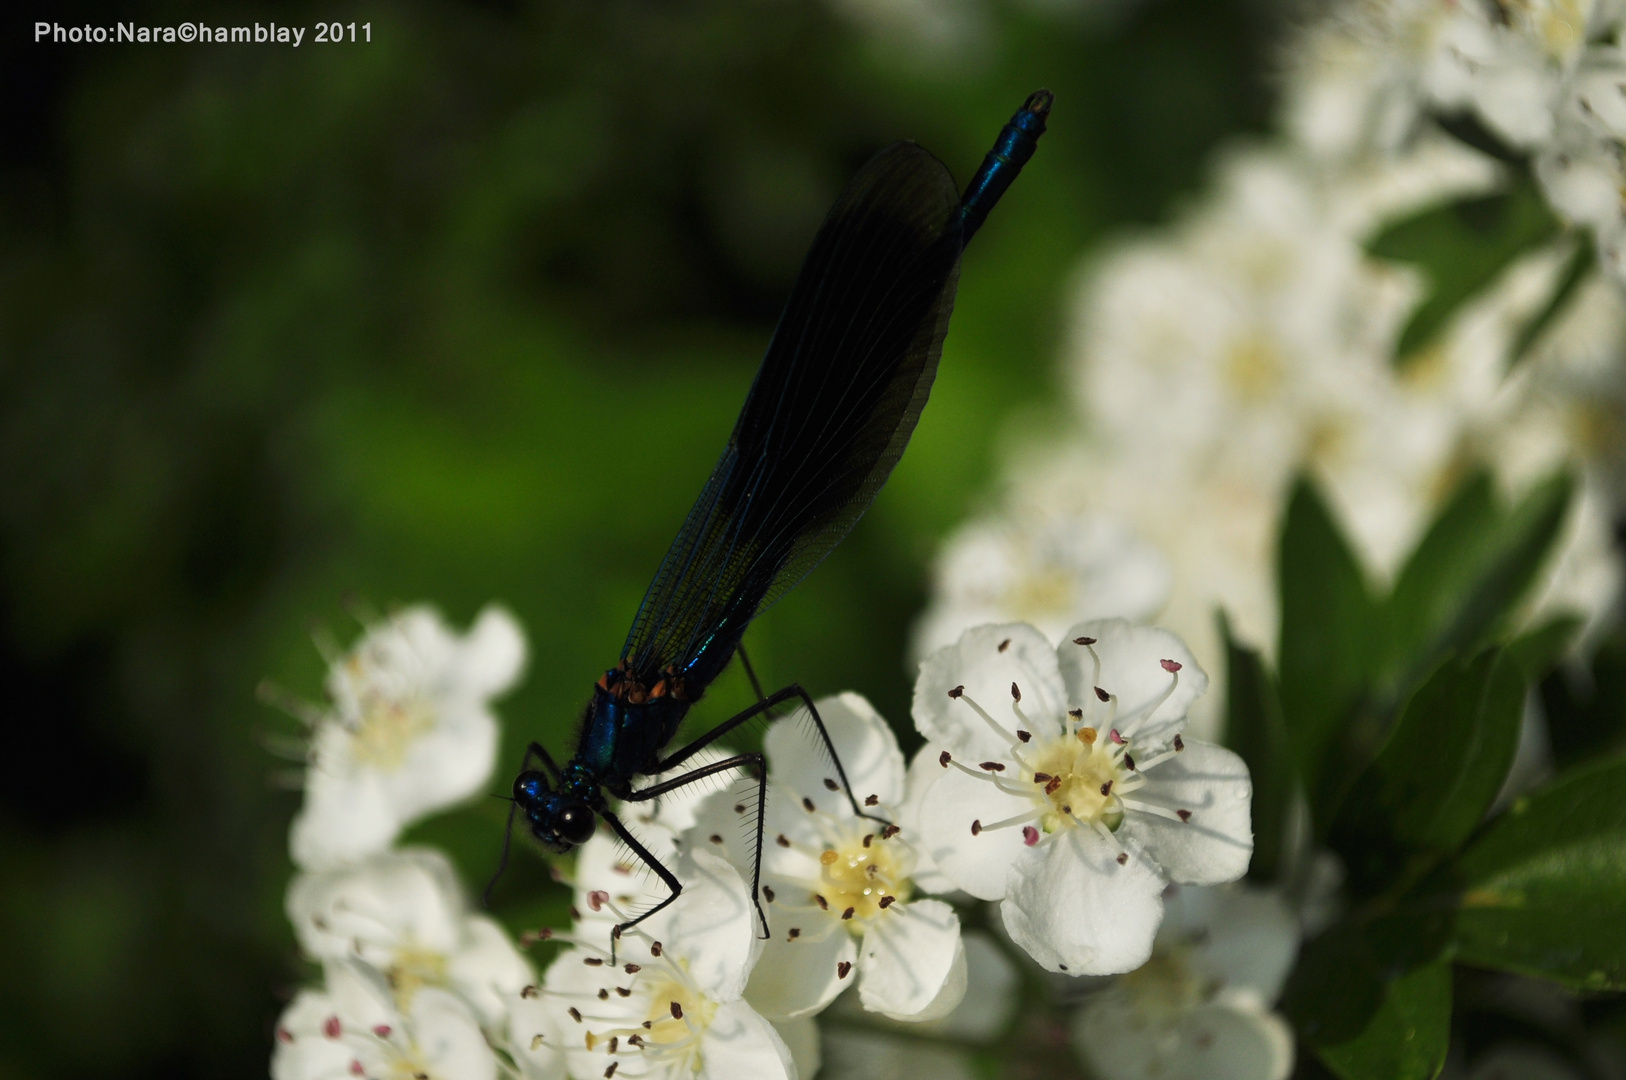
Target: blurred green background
x=461, y=314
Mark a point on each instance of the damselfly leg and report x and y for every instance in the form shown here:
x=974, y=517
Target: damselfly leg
x=751, y=761
x=535, y=750
x=794, y=690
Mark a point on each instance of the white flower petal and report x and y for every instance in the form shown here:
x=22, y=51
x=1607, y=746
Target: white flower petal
x=912, y=963
x=368, y=910
x=801, y=1037
x=303, y=1051
x=1242, y=938
x=493, y=653
x=800, y=977
x=739, y=1043
x=537, y=1042
x=1209, y=1042
x=1074, y=908
x=344, y=817
x=487, y=969
x=987, y=673
x=445, y=765
x=980, y=864
x=1212, y=784
x=717, y=925
x=447, y=1038
x=924, y=771
x=868, y=750
x=1131, y=669
x=990, y=993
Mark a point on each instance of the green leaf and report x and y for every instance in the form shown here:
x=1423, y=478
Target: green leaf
x=1470, y=570
x=1253, y=728
x=1430, y=786
x=1544, y=888
x=1373, y=1002
x=1327, y=643
x=1461, y=248
x=1581, y=260
x=1538, y=651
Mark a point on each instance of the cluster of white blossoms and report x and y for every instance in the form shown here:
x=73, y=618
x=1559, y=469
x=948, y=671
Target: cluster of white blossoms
x=414, y=984
x=1253, y=340
x=1054, y=779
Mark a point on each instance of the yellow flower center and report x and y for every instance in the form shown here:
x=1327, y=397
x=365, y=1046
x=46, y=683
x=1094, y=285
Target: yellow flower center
x=413, y=968
x=1253, y=369
x=1077, y=774
x=858, y=877
x=1043, y=591
x=1165, y=985
x=674, y=1033
x=388, y=728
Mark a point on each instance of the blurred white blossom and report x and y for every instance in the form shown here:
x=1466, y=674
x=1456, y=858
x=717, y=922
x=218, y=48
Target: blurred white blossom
x=404, y=913
x=353, y=1028
x=1067, y=791
x=1049, y=571
x=841, y=896
x=1200, y=1008
x=409, y=731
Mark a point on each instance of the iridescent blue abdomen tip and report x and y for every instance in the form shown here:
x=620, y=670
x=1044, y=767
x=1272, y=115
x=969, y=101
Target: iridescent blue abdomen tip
x=1016, y=143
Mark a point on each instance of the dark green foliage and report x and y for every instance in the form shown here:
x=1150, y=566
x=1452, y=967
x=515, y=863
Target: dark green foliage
x=1544, y=889
x=1435, y=776
x=1329, y=643
x=1461, y=248
x=1404, y=713
x=1253, y=728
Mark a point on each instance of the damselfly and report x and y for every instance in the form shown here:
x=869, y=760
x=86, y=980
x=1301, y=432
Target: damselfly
x=840, y=389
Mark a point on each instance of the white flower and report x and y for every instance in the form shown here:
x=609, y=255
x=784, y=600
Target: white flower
x=1067, y=791
x=352, y=1029
x=1200, y=1008
x=403, y=913
x=1046, y=570
x=991, y=998
x=409, y=731
x=672, y=1004
x=840, y=888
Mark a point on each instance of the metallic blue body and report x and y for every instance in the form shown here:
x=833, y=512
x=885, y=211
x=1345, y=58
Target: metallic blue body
x=621, y=739
x=1015, y=145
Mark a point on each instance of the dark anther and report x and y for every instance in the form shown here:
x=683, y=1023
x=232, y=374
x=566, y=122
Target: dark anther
x=976, y=827
x=1083, y=641
x=824, y=905
x=1016, y=692
x=992, y=766
x=943, y=759
x=781, y=841
x=847, y=914
x=591, y=961
x=1179, y=744
x=831, y=784
x=767, y=893
x=956, y=692
x=807, y=804
x=1003, y=645
x=677, y=1011
x=871, y=800
x=1102, y=694
x=1025, y=736
x=843, y=968
x=1106, y=788
x=1185, y=815
x=1129, y=762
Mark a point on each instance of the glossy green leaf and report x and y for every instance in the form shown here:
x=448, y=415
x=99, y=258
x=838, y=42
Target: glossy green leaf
x=1466, y=576
x=1538, y=651
x=1253, y=728
x=1544, y=889
x=1461, y=248
x=1328, y=630
x=1373, y=1002
x=1445, y=759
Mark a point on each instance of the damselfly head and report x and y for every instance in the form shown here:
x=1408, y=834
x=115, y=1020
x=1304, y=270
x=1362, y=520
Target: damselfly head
x=558, y=821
